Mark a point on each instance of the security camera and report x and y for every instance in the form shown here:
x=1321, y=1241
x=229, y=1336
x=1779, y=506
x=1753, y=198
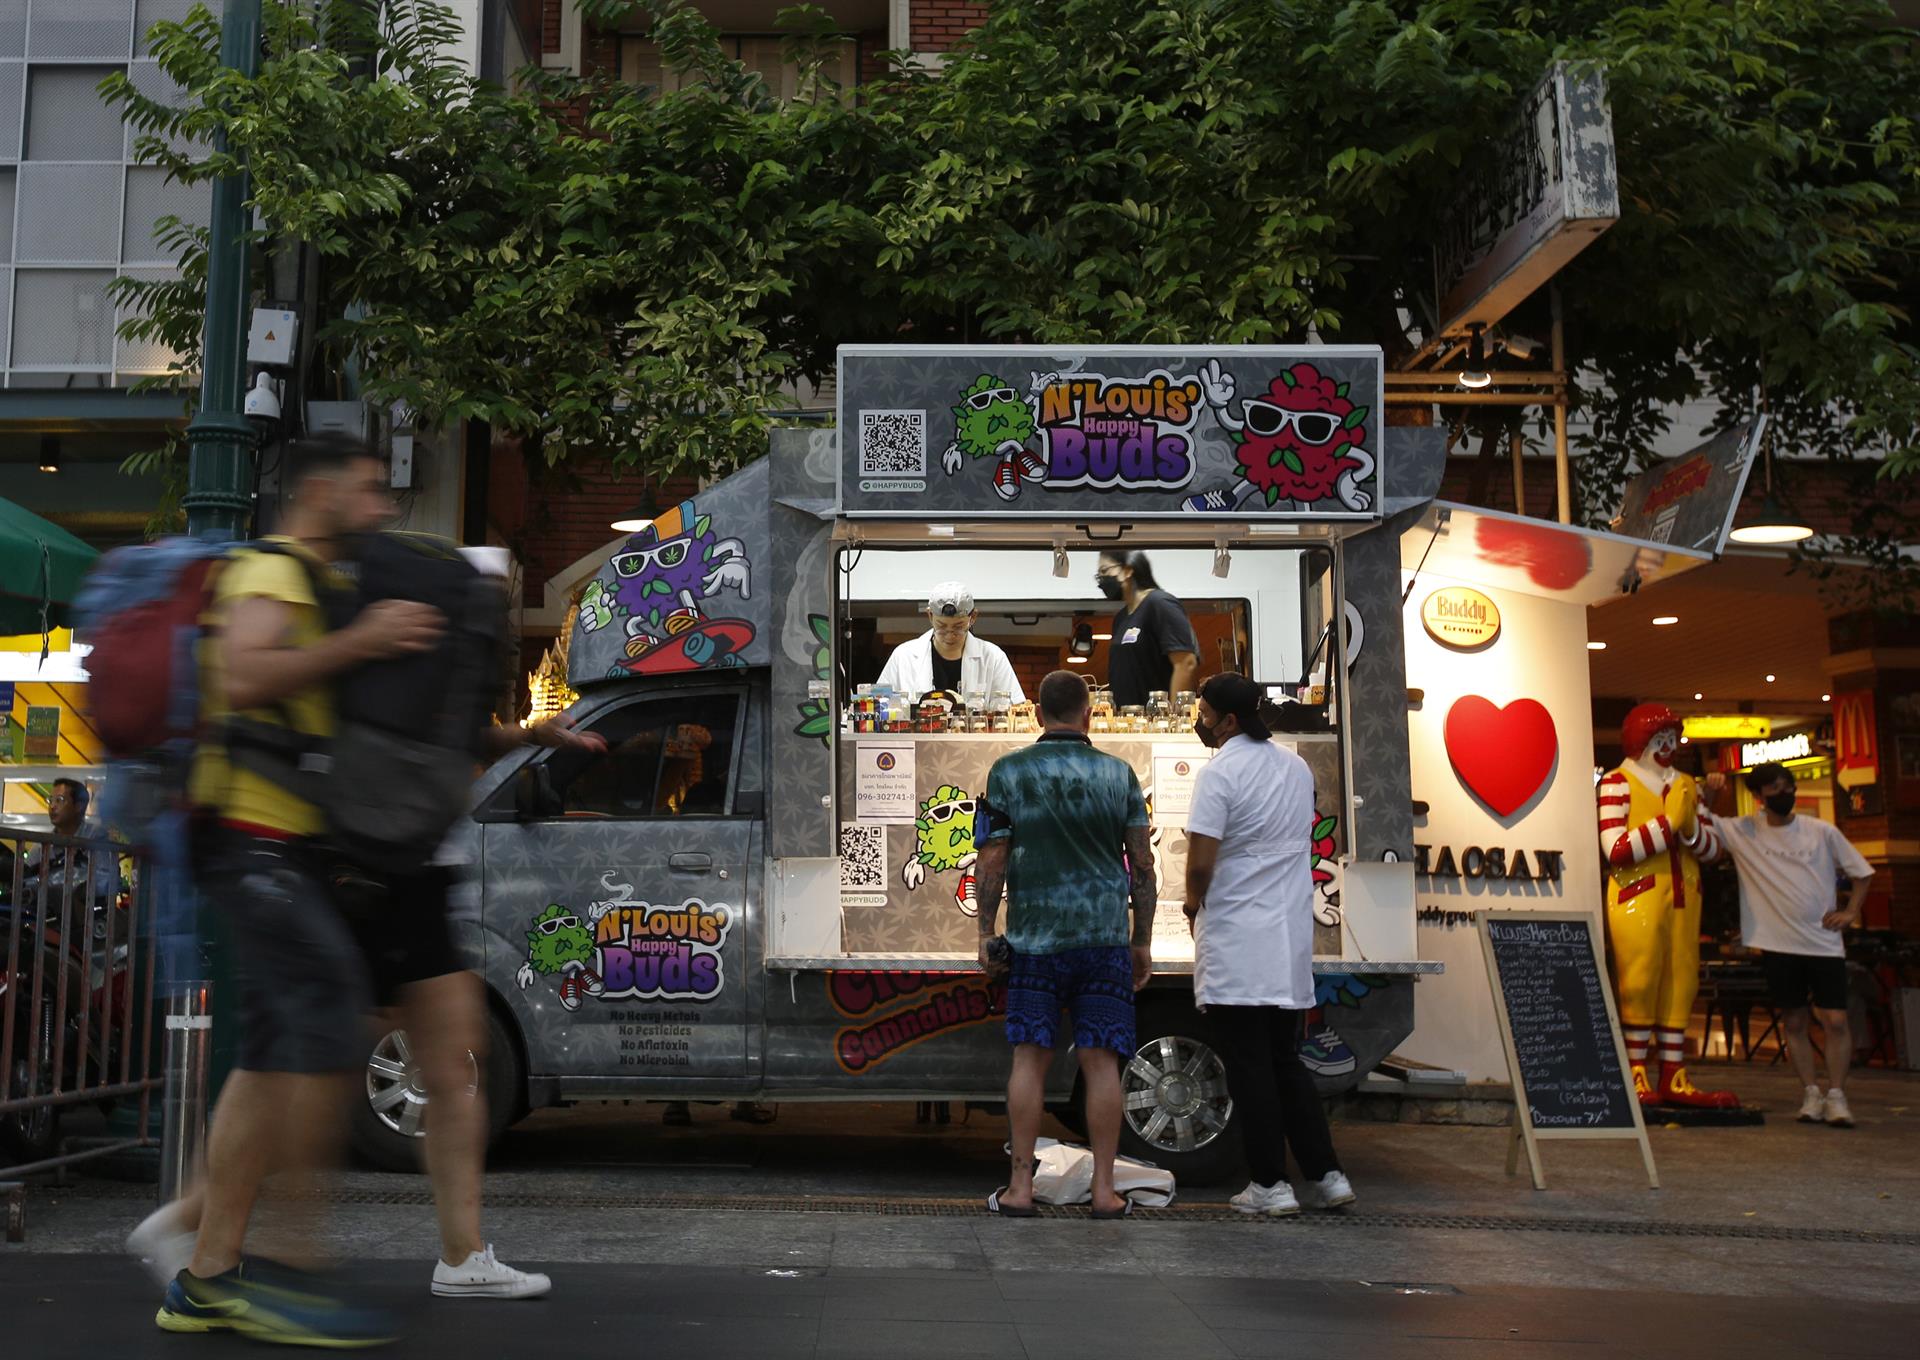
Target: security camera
x=263, y=405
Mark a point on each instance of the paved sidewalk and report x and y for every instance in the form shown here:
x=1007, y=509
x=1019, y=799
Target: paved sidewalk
x=76, y=1306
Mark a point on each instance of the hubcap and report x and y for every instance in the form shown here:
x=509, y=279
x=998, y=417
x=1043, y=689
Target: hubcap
x=1175, y=1094
x=397, y=1091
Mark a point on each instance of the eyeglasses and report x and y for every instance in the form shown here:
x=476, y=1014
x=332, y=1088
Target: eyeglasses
x=668, y=555
x=959, y=625
x=944, y=812
x=980, y=401
x=1316, y=427
x=558, y=923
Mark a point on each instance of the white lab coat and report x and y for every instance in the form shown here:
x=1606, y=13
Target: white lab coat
x=984, y=669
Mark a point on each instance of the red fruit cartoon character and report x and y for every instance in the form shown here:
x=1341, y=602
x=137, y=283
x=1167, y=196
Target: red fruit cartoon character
x=1300, y=440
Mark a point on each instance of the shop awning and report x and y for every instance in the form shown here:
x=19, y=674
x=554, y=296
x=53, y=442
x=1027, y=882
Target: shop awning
x=40, y=569
x=1534, y=557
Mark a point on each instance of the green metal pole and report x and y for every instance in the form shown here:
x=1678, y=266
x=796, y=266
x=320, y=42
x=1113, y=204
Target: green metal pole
x=220, y=442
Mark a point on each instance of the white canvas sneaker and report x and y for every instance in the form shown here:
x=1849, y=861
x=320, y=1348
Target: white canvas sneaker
x=162, y=1244
x=1813, y=1106
x=1275, y=1201
x=1329, y=1192
x=484, y=1276
x=1837, y=1113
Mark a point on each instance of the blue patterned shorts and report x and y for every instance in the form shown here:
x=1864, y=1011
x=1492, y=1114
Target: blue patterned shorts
x=1096, y=985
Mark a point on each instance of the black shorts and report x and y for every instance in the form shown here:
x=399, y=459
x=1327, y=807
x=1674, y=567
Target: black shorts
x=401, y=924
x=1792, y=978
x=298, y=973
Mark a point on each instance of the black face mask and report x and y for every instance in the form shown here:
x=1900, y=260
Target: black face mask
x=1110, y=587
x=1205, y=733
x=1781, y=804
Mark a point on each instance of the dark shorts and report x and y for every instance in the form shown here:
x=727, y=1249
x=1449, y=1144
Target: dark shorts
x=1793, y=978
x=1094, y=985
x=401, y=924
x=298, y=974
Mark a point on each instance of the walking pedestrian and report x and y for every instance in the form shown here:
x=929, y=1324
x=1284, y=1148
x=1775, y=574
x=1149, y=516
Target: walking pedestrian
x=301, y=981
x=1067, y=843
x=1789, y=869
x=1250, y=906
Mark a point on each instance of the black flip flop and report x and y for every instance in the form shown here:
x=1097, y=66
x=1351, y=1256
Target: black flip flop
x=1124, y=1211
x=994, y=1206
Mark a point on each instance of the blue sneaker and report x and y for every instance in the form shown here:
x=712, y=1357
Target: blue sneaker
x=271, y=1303
x=1327, y=1054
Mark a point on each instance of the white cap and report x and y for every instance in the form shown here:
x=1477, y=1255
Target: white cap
x=950, y=599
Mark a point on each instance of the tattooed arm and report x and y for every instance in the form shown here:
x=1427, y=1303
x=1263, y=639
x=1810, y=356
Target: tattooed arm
x=1143, y=892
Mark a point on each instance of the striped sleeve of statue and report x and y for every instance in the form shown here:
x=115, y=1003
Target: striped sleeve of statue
x=1621, y=845
x=1706, y=839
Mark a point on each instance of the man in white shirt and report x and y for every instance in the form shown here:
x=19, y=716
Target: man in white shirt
x=1789, y=868
x=1250, y=904
x=949, y=657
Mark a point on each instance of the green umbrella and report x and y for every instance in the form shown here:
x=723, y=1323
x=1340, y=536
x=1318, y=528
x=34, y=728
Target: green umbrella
x=40, y=569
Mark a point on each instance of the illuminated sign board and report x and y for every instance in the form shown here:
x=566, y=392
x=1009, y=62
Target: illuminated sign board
x=1459, y=617
x=1726, y=727
x=1799, y=746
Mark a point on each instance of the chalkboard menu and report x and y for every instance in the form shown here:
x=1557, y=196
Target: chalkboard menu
x=1569, y=1068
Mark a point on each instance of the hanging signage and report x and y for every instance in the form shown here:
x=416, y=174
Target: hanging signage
x=1799, y=746
x=1726, y=727
x=1461, y=618
x=1539, y=193
x=1856, y=744
x=43, y=732
x=1688, y=502
x=1121, y=431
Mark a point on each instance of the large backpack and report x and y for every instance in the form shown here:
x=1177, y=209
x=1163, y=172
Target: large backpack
x=407, y=730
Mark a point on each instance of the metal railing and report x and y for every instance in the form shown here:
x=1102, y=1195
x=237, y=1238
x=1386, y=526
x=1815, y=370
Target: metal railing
x=76, y=996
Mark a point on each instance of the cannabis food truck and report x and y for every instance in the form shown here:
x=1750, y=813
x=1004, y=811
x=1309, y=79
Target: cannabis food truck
x=763, y=889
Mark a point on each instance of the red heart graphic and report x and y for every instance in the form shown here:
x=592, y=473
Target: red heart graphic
x=1502, y=755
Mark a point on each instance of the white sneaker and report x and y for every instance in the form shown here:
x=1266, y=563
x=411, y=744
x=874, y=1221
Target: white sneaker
x=483, y=1276
x=1329, y=1192
x=1836, y=1112
x=1813, y=1106
x=1275, y=1201
x=162, y=1244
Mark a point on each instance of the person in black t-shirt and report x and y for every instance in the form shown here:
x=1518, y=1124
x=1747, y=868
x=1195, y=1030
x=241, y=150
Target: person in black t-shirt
x=1153, y=647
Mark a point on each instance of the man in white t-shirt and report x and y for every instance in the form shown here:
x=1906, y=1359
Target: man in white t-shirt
x=1789, y=868
x=1250, y=904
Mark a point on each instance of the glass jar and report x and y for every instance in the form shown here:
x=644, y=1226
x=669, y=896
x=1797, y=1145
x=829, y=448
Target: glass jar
x=1133, y=718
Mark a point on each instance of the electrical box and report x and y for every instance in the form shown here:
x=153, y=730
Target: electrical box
x=271, y=338
x=337, y=417
x=400, y=462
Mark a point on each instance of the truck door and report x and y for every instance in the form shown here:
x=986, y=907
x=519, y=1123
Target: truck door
x=618, y=891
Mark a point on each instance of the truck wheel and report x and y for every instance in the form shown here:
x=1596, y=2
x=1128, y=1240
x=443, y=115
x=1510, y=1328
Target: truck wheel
x=1175, y=1110
x=389, y=1117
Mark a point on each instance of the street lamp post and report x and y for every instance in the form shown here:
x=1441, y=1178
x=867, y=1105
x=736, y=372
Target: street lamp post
x=220, y=442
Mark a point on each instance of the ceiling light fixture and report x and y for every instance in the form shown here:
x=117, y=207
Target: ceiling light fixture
x=49, y=453
x=1665, y=620
x=1596, y=646
x=1103, y=637
x=1826, y=698
x=1773, y=525
x=1769, y=679
x=635, y=519
x=1698, y=695
x=1475, y=373
x=1076, y=661
x=1082, y=645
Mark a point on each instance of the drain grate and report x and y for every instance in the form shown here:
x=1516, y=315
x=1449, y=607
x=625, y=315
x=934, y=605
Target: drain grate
x=946, y=1207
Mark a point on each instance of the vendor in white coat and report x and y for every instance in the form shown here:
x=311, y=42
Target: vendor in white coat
x=949, y=657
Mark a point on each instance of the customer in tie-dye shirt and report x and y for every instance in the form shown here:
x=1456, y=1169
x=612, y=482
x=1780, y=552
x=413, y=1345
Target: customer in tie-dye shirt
x=1066, y=839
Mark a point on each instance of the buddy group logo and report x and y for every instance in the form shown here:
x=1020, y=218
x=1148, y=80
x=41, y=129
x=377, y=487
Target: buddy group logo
x=630, y=948
x=899, y=1010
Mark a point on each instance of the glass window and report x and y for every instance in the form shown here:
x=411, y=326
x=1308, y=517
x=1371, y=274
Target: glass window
x=664, y=758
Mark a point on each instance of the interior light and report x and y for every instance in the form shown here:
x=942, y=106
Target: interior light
x=49, y=453
x=634, y=520
x=1826, y=698
x=1698, y=695
x=1082, y=645
x=1773, y=526
x=1103, y=637
x=1076, y=661
x=1685, y=740
x=1769, y=679
x=1475, y=373
x=1666, y=619
x=1596, y=646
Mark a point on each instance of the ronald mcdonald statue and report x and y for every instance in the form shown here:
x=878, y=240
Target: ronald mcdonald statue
x=1653, y=838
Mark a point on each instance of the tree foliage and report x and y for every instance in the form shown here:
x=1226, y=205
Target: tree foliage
x=648, y=275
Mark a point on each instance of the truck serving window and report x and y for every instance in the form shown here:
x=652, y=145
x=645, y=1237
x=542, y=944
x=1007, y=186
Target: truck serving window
x=665, y=758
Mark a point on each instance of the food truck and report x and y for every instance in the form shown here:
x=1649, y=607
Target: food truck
x=763, y=889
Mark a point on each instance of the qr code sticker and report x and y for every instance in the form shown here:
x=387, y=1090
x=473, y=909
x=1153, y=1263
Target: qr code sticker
x=893, y=443
x=863, y=857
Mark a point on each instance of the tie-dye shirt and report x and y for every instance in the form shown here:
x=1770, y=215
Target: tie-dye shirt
x=1066, y=808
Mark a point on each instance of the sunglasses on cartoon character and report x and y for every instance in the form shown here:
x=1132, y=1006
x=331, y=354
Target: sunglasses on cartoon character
x=943, y=812
x=558, y=923
x=1316, y=427
x=980, y=401
x=668, y=555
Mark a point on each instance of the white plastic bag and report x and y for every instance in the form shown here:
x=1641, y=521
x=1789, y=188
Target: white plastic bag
x=1065, y=1176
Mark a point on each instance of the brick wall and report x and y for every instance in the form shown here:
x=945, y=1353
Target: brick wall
x=937, y=25
x=550, y=24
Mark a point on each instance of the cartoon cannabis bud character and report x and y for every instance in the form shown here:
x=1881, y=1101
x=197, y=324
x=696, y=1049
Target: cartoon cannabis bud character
x=1300, y=441
x=667, y=584
x=944, y=842
x=992, y=420
x=1326, y=882
x=560, y=944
